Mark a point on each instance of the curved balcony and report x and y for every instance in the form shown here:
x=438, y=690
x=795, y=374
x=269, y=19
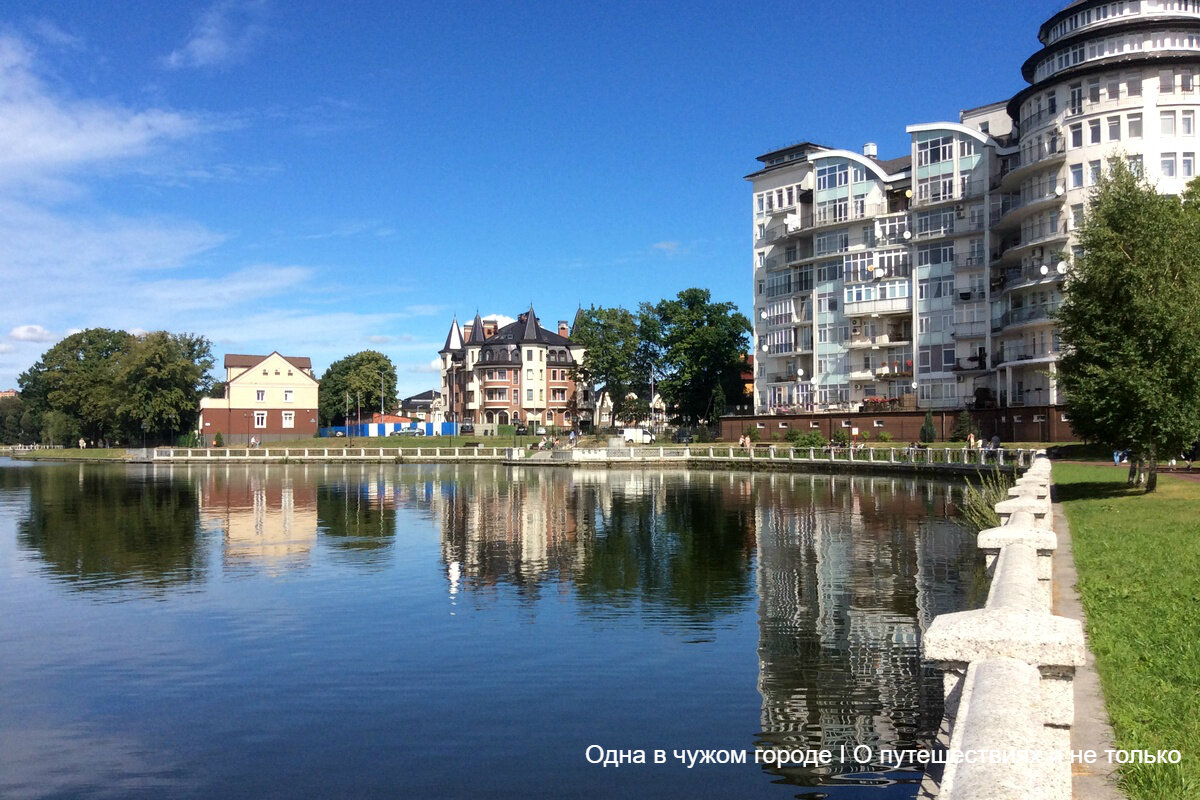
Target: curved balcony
x=868, y=308
x=1038, y=314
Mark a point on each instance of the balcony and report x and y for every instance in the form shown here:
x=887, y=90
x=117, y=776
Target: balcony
x=894, y=336
x=1020, y=316
x=1017, y=354
x=866, y=308
x=968, y=295
x=960, y=192
x=959, y=227
x=823, y=217
x=969, y=330
x=792, y=256
x=970, y=364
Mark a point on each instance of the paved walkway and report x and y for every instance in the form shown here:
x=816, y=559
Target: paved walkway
x=1091, y=730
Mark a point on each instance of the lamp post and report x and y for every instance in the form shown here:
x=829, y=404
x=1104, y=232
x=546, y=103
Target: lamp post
x=799, y=387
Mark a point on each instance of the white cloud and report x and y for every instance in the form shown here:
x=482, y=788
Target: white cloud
x=31, y=333
x=379, y=339
x=5, y=347
x=501, y=319
x=433, y=367
x=42, y=134
x=224, y=34
x=671, y=248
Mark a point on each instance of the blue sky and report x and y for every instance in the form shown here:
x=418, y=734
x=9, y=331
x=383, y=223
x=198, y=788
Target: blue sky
x=322, y=178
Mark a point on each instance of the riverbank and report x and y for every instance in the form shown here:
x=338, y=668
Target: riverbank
x=1138, y=560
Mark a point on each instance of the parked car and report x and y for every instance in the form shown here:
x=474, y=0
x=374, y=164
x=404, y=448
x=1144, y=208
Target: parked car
x=467, y=429
x=521, y=430
x=540, y=431
x=684, y=436
x=408, y=432
x=339, y=433
x=637, y=436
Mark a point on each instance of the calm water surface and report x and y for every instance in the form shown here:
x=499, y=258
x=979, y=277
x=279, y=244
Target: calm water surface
x=443, y=631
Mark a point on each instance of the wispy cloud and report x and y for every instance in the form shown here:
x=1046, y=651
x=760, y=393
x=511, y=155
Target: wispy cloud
x=224, y=34
x=670, y=248
x=50, y=32
x=42, y=134
x=433, y=367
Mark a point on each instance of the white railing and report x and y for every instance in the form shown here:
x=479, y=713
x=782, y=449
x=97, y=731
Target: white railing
x=1009, y=667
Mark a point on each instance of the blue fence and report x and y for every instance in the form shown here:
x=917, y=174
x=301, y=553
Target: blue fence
x=375, y=429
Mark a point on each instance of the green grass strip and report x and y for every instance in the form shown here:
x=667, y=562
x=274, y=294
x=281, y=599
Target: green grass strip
x=1138, y=559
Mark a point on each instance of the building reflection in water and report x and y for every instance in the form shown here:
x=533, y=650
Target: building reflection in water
x=850, y=572
x=267, y=515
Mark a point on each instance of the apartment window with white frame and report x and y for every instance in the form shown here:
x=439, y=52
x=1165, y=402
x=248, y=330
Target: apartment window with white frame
x=832, y=242
x=1166, y=82
x=1076, y=176
x=1134, y=86
x=1094, y=90
x=935, y=151
x=1187, y=165
x=1186, y=82
x=1135, y=164
x=260, y=419
x=289, y=419
x=1166, y=123
x=289, y=395
x=1114, y=88
x=1093, y=172
x=1076, y=99
x=831, y=176
x=1094, y=131
x=1167, y=165
x=1114, y=129
x=1187, y=123
x=1135, y=126
x=260, y=395
x=1076, y=134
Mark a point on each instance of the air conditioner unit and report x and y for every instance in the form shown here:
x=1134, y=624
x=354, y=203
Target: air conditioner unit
x=960, y=211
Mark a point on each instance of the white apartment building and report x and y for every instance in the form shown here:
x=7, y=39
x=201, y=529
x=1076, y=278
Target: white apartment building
x=932, y=278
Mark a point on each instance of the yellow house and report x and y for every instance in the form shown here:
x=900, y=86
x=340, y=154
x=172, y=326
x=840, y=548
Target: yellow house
x=267, y=398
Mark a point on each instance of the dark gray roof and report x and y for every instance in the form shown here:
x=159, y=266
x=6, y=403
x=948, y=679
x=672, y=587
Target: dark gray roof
x=422, y=399
x=476, y=330
x=893, y=165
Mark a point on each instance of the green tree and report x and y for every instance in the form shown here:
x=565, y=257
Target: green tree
x=78, y=378
x=1130, y=321
x=162, y=377
x=928, y=432
x=699, y=345
x=358, y=377
x=964, y=426
x=611, y=361
x=13, y=417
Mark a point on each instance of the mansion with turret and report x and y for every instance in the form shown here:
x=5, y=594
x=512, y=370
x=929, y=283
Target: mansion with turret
x=495, y=374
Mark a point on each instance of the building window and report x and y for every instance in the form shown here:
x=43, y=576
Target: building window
x=288, y=395
x=1094, y=131
x=1168, y=165
x=1093, y=173
x=289, y=419
x=1134, y=86
x=529, y=394
x=260, y=419
x=1135, y=126
x=1166, y=82
x=1166, y=123
x=1114, y=129
x=1077, y=134
x=260, y=395
x=1187, y=123
x=1076, y=176
x=1187, y=165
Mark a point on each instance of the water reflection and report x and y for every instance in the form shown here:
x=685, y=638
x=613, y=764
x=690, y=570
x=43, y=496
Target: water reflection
x=851, y=571
x=267, y=518
x=99, y=528
x=819, y=587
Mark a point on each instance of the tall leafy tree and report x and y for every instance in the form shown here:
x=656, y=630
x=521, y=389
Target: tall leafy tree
x=1130, y=321
x=357, y=376
x=77, y=379
x=699, y=346
x=163, y=376
x=611, y=362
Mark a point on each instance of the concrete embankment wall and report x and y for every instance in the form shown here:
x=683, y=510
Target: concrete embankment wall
x=1008, y=667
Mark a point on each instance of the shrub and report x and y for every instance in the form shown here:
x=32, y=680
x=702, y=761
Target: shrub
x=753, y=433
x=841, y=437
x=928, y=432
x=806, y=439
x=219, y=440
x=979, y=502
x=884, y=436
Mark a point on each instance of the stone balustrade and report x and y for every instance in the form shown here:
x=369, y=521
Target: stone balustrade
x=1008, y=668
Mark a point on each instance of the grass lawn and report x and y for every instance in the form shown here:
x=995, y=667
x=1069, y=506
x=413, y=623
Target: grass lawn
x=1138, y=558
x=74, y=454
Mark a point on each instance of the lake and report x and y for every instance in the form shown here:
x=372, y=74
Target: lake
x=464, y=631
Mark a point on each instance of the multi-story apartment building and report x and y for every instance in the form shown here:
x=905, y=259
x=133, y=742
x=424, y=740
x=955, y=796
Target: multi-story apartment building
x=933, y=278
x=520, y=372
